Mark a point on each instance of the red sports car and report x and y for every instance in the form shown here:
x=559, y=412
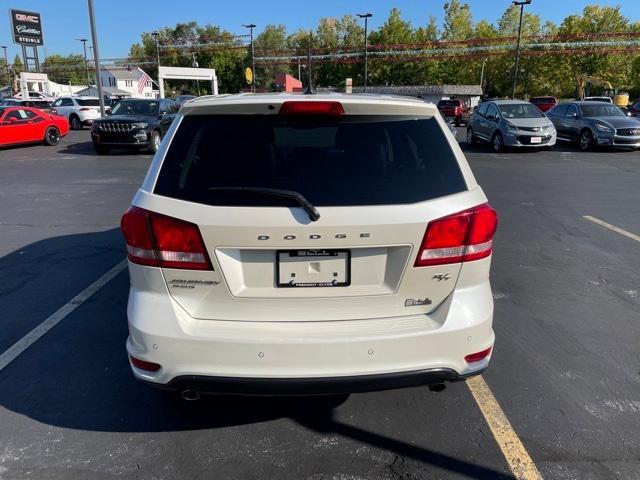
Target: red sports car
x=30, y=125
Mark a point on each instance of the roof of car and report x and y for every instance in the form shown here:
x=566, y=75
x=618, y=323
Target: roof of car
x=508, y=102
x=364, y=103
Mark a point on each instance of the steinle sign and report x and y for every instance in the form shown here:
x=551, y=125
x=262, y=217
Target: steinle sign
x=26, y=27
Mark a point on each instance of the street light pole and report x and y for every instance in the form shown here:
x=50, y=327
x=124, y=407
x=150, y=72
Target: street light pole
x=6, y=64
x=155, y=39
x=196, y=65
x=515, y=72
x=96, y=55
x=86, y=65
x=251, y=26
x=484, y=62
x=366, y=17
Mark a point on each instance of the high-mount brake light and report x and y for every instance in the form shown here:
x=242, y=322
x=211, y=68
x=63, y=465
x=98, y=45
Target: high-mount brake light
x=160, y=241
x=461, y=237
x=310, y=107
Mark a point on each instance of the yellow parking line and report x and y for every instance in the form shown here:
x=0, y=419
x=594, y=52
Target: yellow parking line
x=619, y=230
x=512, y=448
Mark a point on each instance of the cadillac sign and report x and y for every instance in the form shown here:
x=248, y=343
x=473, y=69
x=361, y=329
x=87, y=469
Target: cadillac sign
x=27, y=28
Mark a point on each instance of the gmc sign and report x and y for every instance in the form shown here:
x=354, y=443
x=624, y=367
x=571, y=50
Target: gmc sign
x=27, y=28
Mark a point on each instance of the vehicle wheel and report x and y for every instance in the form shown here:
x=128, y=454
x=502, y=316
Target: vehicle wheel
x=75, y=123
x=471, y=138
x=154, y=142
x=585, y=140
x=496, y=143
x=101, y=149
x=52, y=136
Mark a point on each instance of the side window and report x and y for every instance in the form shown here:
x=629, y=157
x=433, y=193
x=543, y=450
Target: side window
x=572, y=111
x=30, y=114
x=66, y=102
x=57, y=103
x=492, y=111
x=164, y=107
x=559, y=111
x=19, y=115
x=482, y=109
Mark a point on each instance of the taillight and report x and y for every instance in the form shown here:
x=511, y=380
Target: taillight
x=160, y=241
x=461, y=237
x=330, y=108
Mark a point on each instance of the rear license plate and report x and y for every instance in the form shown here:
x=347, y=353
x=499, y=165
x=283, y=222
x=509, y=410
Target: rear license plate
x=536, y=140
x=313, y=268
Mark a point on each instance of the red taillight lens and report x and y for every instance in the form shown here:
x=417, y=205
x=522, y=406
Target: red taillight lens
x=311, y=107
x=476, y=357
x=462, y=237
x=142, y=365
x=161, y=241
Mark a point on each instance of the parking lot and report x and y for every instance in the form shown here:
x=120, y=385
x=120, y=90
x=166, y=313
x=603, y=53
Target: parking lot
x=565, y=372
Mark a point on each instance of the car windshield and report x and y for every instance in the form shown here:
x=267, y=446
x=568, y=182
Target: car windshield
x=88, y=102
x=136, y=107
x=353, y=160
x=520, y=110
x=601, y=110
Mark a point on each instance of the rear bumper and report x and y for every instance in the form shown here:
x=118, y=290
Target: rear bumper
x=271, y=357
x=312, y=386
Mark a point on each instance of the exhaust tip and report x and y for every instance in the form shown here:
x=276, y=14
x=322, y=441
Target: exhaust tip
x=190, y=395
x=437, y=387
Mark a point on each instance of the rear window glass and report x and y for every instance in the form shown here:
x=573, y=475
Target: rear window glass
x=356, y=160
x=88, y=102
x=448, y=103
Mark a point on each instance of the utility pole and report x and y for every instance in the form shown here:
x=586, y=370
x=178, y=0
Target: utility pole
x=484, y=62
x=6, y=64
x=515, y=71
x=251, y=26
x=86, y=65
x=155, y=39
x=195, y=65
x=366, y=17
x=96, y=55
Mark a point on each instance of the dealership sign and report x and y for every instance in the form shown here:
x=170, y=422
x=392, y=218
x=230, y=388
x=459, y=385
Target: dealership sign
x=26, y=27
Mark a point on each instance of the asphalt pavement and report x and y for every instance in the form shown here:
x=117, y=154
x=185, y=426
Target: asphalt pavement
x=565, y=371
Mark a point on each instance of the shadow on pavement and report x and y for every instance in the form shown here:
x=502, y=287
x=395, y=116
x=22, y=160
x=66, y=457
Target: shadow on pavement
x=77, y=375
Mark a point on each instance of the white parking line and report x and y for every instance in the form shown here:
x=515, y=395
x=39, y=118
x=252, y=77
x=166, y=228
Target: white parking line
x=619, y=230
x=512, y=448
x=30, y=338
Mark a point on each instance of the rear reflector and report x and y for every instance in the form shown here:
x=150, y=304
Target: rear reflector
x=461, y=237
x=311, y=108
x=476, y=357
x=142, y=365
x=160, y=241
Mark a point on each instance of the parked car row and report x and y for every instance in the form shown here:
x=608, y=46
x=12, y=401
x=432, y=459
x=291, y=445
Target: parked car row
x=520, y=124
x=20, y=125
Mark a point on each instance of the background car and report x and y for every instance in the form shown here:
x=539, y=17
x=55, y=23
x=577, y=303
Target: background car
x=544, y=103
x=511, y=123
x=40, y=104
x=455, y=109
x=595, y=123
x=597, y=99
x=19, y=125
x=181, y=99
x=80, y=111
x=135, y=123
x=634, y=109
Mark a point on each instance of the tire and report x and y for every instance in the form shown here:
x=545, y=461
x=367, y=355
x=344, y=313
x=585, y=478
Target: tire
x=154, y=141
x=52, y=136
x=471, y=137
x=101, y=149
x=497, y=144
x=75, y=123
x=585, y=140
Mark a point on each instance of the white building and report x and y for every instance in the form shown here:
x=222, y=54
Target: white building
x=127, y=80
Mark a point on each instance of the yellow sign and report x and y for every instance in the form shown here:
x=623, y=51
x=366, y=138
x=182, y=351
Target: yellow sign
x=248, y=75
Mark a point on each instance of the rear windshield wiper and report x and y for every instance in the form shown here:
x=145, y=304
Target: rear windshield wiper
x=274, y=192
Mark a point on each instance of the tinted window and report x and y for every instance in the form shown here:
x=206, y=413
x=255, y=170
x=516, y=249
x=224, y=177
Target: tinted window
x=20, y=115
x=66, y=102
x=482, y=109
x=346, y=161
x=492, y=111
x=88, y=102
x=559, y=111
x=601, y=110
x=520, y=110
x=448, y=103
x=136, y=107
x=539, y=100
x=572, y=111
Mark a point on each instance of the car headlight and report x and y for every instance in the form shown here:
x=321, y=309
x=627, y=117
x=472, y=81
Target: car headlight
x=548, y=127
x=604, y=128
x=139, y=125
x=511, y=127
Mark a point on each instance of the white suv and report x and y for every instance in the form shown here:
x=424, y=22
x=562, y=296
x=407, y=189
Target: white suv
x=286, y=243
x=80, y=111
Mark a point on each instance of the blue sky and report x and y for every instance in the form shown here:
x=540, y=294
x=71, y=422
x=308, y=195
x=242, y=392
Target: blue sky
x=120, y=22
